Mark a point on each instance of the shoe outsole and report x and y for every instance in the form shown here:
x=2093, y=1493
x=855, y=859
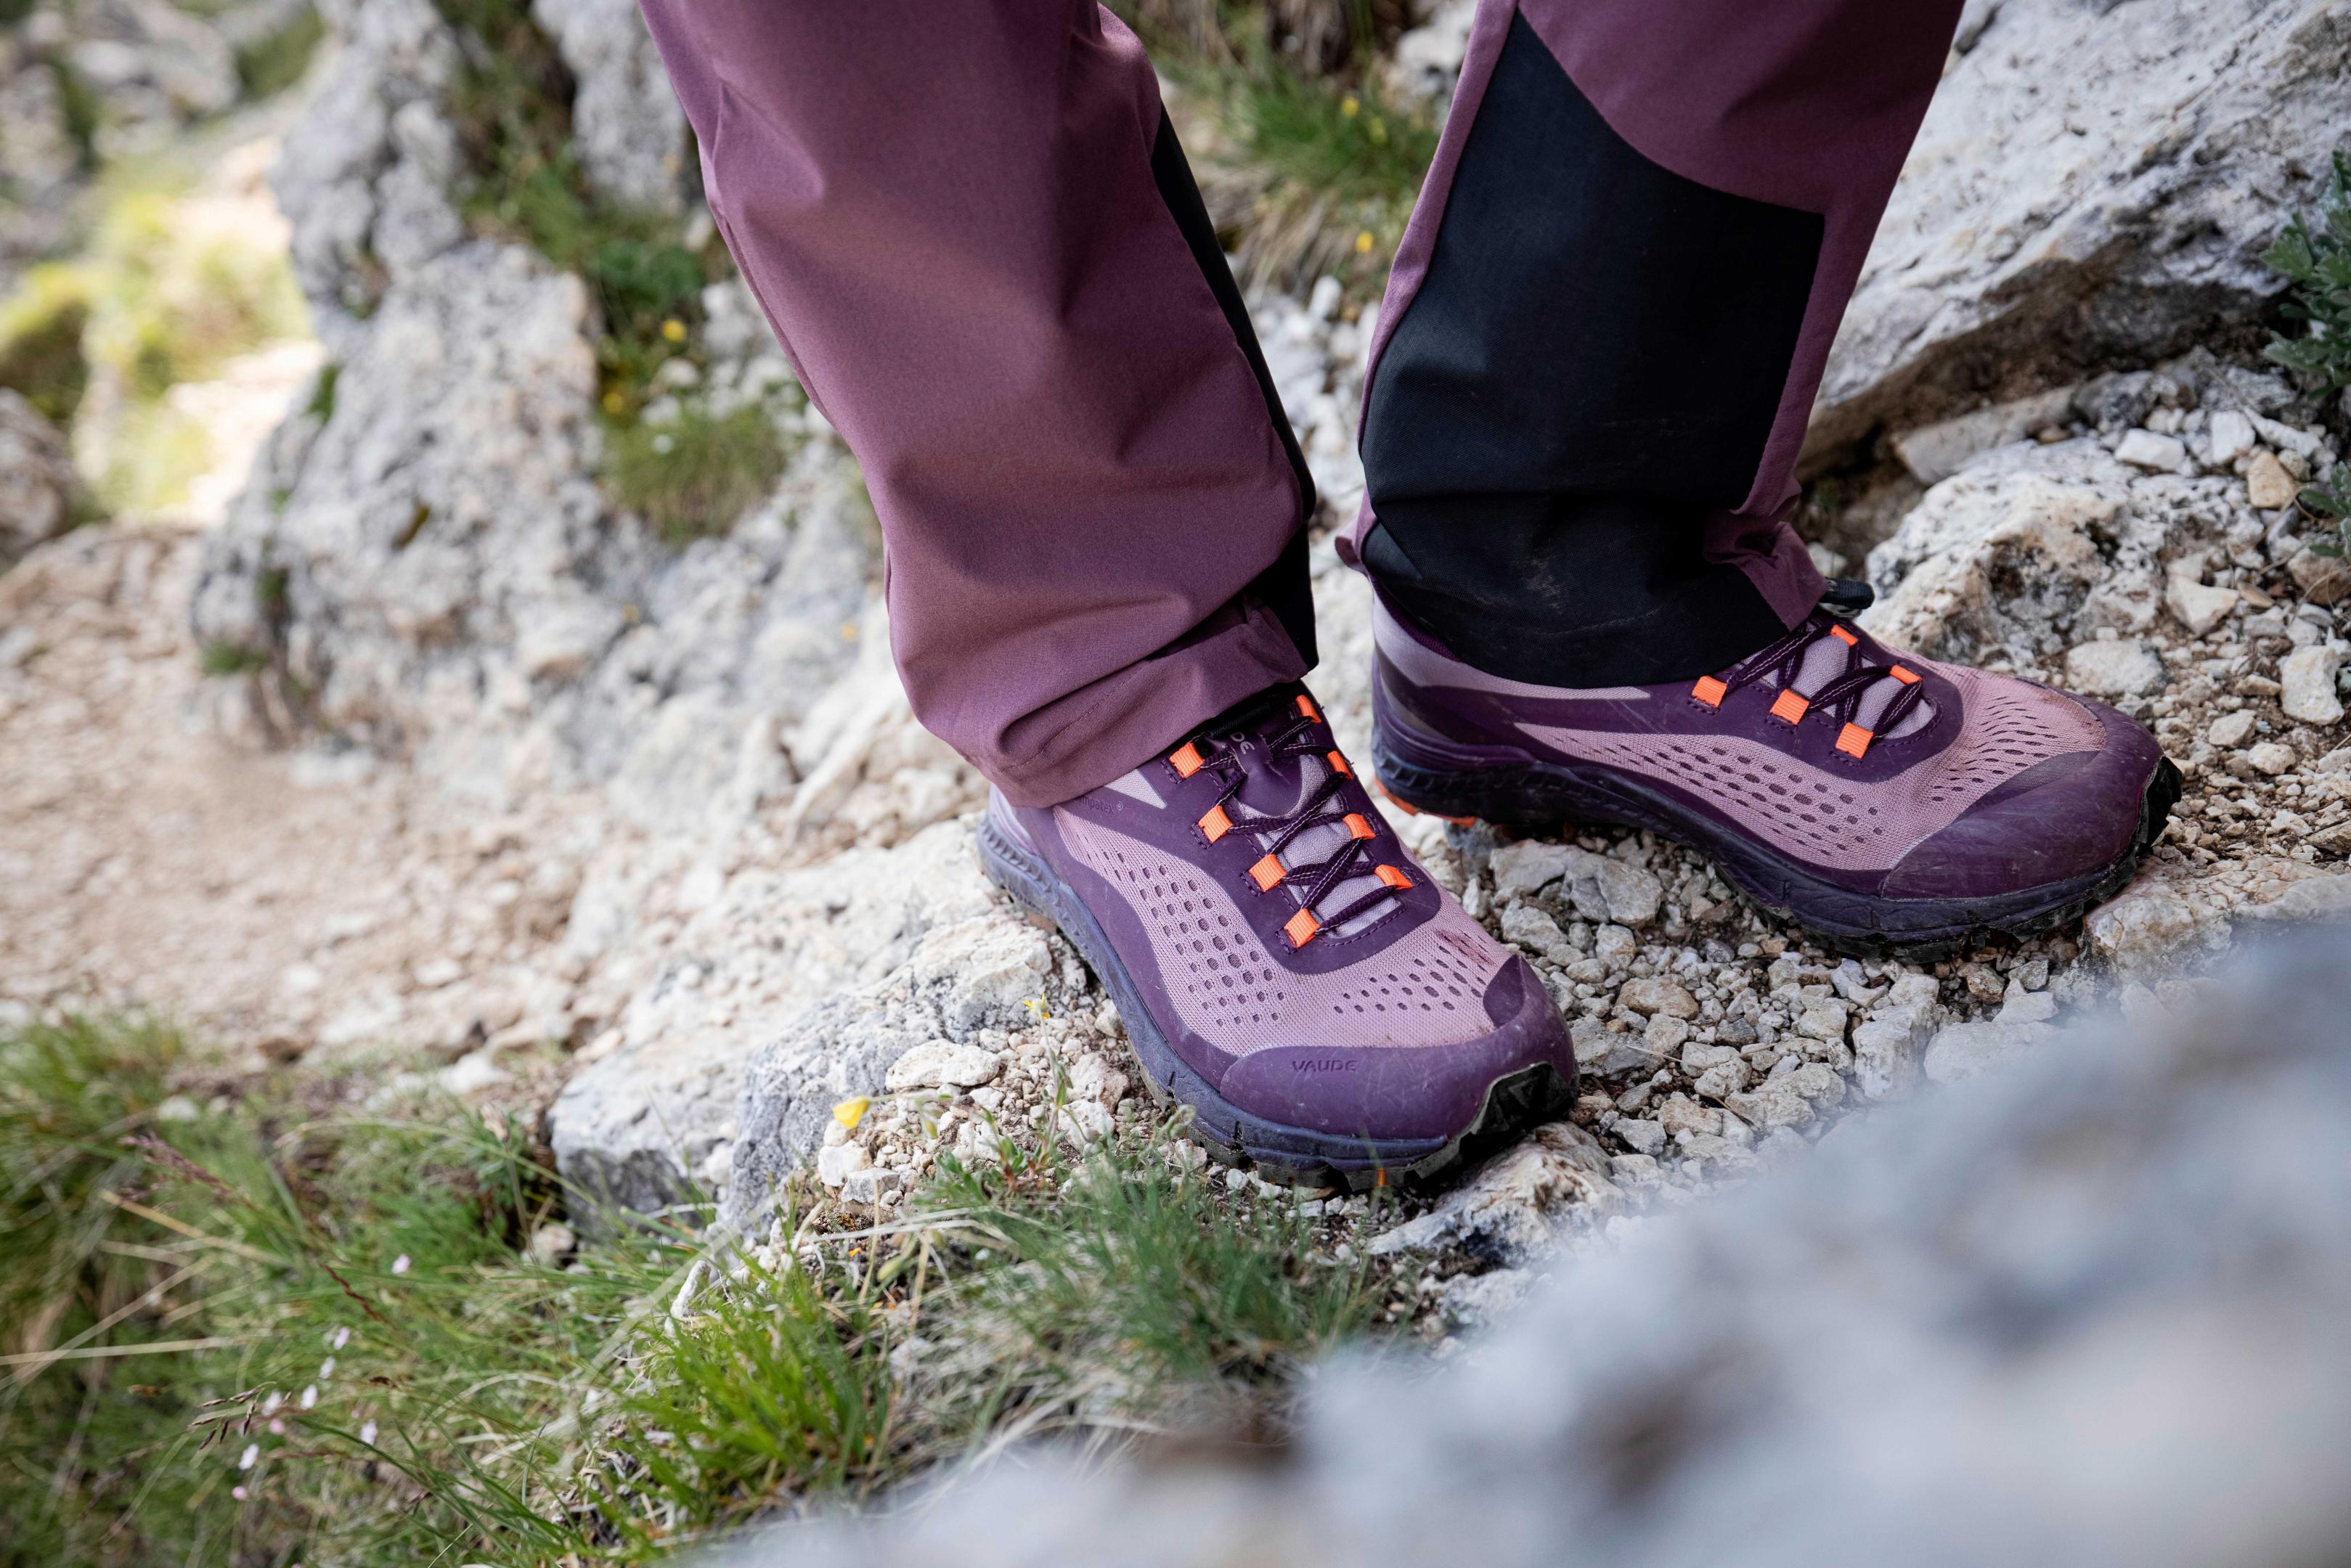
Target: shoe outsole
x=1542, y=797
x=1296, y=1156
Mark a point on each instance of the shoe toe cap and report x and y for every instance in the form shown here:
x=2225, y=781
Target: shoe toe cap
x=1407, y=1092
x=2065, y=817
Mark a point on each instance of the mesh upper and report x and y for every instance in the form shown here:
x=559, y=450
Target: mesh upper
x=1833, y=820
x=1427, y=987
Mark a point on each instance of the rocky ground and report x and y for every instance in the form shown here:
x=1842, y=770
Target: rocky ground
x=496, y=779
x=2088, y=1311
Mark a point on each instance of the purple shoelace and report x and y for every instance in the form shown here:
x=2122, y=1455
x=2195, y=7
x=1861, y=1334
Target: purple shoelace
x=1840, y=698
x=1321, y=808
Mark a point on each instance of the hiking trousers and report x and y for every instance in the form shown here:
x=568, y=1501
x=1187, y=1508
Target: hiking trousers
x=975, y=236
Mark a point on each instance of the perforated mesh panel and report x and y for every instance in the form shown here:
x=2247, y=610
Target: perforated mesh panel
x=1425, y=988
x=1829, y=820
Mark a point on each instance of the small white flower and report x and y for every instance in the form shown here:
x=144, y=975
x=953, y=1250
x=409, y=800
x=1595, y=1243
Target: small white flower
x=343, y=1336
x=326, y=1369
x=367, y=1434
x=252, y=1451
x=276, y=1427
x=309, y=1396
x=270, y=1405
x=237, y=1493
x=400, y=1264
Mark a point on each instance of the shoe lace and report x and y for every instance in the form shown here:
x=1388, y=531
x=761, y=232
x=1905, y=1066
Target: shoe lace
x=1325, y=806
x=1839, y=698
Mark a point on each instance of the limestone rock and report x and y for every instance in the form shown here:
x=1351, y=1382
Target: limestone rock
x=1669, y=998
x=942, y=1064
x=2267, y=484
x=2232, y=436
x=2308, y=675
x=2153, y=920
x=364, y=176
x=2271, y=756
x=1934, y=453
x=1530, y=865
x=1530, y=928
x=2323, y=579
x=626, y=125
x=2145, y=449
x=2231, y=729
x=2195, y=605
x=2001, y=558
x=1605, y=1052
x=992, y=972
x=1516, y=1203
x=774, y=971
x=2121, y=667
x=37, y=480
x=1888, y=1045
x=2047, y=225
x=1597, y=888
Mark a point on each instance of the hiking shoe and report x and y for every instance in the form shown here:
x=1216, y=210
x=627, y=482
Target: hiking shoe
x=1884, y=801
x=1281, y=965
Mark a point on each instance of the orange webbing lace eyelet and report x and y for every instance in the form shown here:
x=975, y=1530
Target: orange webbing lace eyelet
x=1357, y=827
x=1710, y=691
x=1186, y=759
x=1216, y=824
x=1267, y=873
x=1843, y=636
x=1339, y=765
x=1302, y=927
x=1306, y=709
x=1788, y=707
x=1393, y=877
x=1853, y=740
x=1908, y=677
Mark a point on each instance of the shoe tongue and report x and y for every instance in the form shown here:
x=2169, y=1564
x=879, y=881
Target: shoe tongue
x=1277, y=787
x=1271, y=785
x=1827, y=658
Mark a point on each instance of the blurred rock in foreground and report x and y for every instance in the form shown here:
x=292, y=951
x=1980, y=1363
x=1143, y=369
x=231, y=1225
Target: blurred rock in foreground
x=2088, y=1309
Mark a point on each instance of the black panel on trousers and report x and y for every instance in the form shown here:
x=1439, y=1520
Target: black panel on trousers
x=1593, y=591
x=1598, y=349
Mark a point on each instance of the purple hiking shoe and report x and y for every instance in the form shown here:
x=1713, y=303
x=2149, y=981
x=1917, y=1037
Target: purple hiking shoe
x=1281, y=966
x=1886, y=801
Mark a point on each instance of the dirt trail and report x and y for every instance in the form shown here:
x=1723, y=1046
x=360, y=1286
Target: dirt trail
x=148, y=857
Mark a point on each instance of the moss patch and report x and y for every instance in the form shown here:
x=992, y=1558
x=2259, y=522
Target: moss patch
x=41, y=327
x=696, y=474
x=275, y=61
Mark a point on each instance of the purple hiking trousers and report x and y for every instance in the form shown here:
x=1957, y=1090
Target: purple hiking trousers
x=973, y=231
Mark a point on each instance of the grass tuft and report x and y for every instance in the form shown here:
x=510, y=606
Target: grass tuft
x=2315, y=255
x=252, y=1319
x=1306, y=170
x=220, y=659
x=698, y=473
